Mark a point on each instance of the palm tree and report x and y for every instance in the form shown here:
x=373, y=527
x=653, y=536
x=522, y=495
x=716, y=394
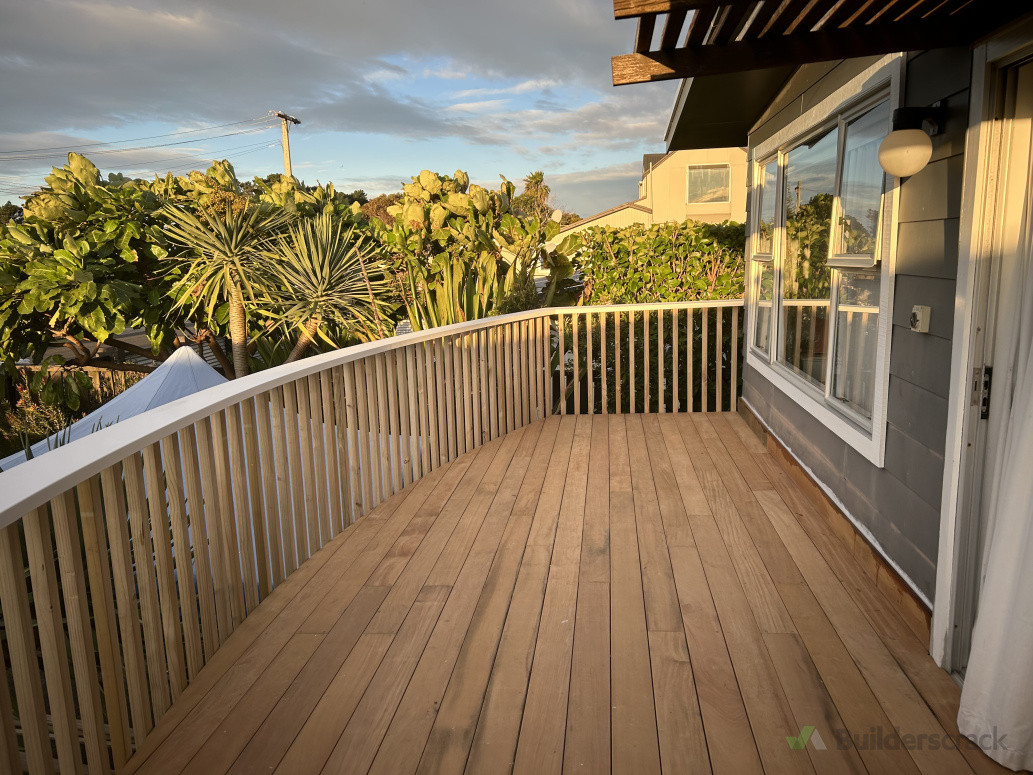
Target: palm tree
x=319, y=281
x=219, y=250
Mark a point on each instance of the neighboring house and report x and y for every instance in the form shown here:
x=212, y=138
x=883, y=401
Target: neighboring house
x=702, y=185
x=878, y=306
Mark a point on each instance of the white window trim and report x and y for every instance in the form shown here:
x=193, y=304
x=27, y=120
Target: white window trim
x=726, y=200
x=869, y=442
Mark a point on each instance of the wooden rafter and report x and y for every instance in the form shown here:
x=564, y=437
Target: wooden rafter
x=727, y=36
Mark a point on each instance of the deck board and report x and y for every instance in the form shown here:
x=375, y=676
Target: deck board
x=625, y=593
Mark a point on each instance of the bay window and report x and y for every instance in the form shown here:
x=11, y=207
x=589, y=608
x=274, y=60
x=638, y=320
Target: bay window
x=818, y=239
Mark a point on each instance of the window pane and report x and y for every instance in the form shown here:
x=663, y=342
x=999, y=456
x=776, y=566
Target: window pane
x=862, y=183
x=857, y=334
x=765, y=295
x=708, y=183
x=809, y=185
x=766, y=207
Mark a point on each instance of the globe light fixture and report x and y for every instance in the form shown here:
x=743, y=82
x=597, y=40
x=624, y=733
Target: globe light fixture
x=907, y=149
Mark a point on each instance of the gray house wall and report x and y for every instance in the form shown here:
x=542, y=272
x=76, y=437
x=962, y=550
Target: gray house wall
x=899, y=503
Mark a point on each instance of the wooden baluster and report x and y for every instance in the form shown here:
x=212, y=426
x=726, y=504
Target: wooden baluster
x=358, y=474
x=547, y=345
x=442, y=397
x=483, y=360
x=344, y=461
x=150, y=611
x=431, y=406
x=199, y=533
x=45, y=601
x=128, y=609
x=575, y=336
x=590, y=361
x=494, y=378
x=423, y=408
x=736, y=350
x=661, y=366
x=292, y=422
x=158, y=515
x=704, y=366
x=10, y=756
x=466, y=350
x=474, y=361
x=407, y=414
x=270, y=465
x=449, y=397
x=80, y=631
x=646, y=406
x=330, y=444
x=14, y=601
x=690, y=324
x=812, y=345
x=507, y=375
x=719, y=355
x=227, y=588
x=239, y=518
x=563, y=363
x=604, y=372
x=618, y=378
x=383, y=422
x=675, y=366
x=255, y=478
x=183, y=551
x=392, y=387
x=95, y=546
x=371, y=440
x=632, y=406
x=284, y=484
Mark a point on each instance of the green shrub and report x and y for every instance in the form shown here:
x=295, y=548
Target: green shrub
x=665, y=262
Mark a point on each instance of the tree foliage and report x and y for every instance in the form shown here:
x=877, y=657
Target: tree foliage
x=663, y=263
x=459, y=253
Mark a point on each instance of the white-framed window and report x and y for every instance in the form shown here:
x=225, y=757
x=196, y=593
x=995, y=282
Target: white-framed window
x=820, y=270
x=708, y=184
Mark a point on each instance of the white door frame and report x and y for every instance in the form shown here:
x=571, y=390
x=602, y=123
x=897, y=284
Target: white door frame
x=977, y=230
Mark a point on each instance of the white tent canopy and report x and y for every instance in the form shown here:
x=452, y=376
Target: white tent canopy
x=183, y=374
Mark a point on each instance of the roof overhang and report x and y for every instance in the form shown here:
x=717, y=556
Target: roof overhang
x=735, y=55
x=719, y=111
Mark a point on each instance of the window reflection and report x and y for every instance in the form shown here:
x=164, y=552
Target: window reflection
x=766, y=207
x=862, y=184
x=809, y=187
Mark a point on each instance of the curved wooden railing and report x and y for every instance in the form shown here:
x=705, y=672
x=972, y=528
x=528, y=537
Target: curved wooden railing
x=128, y=557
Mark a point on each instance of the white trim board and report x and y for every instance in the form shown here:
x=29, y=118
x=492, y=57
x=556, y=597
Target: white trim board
x=973, y=253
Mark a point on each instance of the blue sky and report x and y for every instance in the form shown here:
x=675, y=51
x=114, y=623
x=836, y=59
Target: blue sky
x=384, y=88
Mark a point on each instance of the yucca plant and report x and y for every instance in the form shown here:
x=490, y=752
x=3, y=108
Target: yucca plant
x=216, y=263
x=321, y=278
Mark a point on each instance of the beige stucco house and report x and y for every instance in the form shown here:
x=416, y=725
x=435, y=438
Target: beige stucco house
x=706, y=184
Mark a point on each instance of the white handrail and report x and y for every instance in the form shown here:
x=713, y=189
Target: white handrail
x=38, y=480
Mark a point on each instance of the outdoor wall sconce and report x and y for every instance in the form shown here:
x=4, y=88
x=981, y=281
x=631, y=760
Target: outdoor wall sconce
x=908, y=148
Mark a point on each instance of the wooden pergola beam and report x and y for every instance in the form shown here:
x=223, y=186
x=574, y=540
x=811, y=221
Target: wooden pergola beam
x=627, y=9
x=797, y=49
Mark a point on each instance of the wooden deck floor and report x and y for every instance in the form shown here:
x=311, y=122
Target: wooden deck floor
x=631, y=593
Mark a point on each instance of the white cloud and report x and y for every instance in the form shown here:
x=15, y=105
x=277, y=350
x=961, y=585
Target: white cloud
x=521, y=88
x=477, y=107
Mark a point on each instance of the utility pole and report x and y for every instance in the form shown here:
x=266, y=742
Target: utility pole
x=285, y=122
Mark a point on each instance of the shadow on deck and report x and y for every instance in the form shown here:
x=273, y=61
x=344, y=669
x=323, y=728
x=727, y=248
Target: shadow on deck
x=626, y=593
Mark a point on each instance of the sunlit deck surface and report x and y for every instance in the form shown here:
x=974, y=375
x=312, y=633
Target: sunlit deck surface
x=631, y=593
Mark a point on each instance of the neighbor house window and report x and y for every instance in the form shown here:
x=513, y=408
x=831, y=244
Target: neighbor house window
x=816, y=274
x=707, y=183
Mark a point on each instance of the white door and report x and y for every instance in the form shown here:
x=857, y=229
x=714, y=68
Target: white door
x=993, y=377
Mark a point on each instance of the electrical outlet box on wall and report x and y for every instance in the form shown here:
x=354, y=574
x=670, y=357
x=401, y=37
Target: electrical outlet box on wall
x=920, y=318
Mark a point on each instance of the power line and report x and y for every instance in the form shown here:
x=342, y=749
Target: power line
x=227, y=153
x=105, y=151
x=256, y=120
